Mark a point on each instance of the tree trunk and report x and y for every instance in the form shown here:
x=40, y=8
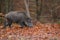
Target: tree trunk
x=0, y=5
x=38, y=11
x=6, y=6
x=27, y=8
x=10, y=5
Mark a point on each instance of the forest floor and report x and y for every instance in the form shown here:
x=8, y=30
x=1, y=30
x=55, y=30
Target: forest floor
x=39, y=31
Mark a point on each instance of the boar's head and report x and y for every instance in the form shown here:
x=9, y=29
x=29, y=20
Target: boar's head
x=29, y=22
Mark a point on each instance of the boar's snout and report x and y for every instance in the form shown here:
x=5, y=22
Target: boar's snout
x=29, y=22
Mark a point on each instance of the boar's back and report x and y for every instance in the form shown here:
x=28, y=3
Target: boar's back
x=15, y=16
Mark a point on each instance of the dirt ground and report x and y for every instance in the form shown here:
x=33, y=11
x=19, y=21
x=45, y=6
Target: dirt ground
x=39, y=31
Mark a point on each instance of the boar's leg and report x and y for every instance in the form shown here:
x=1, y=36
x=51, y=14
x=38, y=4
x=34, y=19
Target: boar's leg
x=7, y=23
x=22, y=24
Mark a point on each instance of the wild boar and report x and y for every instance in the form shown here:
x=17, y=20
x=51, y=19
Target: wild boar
x=18, y=17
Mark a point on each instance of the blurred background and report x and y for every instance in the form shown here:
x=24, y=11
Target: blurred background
x=45, y=11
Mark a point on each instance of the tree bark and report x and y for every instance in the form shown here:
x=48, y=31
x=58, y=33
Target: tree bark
x=0, y=5
x=10, y=5
x=38, y=11
x=6, y=6
x=27, y=8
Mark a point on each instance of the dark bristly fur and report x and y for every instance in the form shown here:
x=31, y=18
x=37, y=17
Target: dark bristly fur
x=17, y=17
